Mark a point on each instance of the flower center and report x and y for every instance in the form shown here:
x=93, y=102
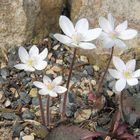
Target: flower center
x=76, y=38
x=127, y=74
x=50, y=86
x=114, y=35
x=30, y=61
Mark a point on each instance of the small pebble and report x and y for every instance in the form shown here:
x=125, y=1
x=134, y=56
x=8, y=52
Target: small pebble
x=33, y=92
x=7, y=103
x=109, y=92
x=81, y=115
x=96, y=68
x=56, y=47
x=84, y=59
x=93, y=82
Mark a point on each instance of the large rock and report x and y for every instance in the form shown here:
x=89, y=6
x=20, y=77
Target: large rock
x=121, y=10
x=24, y=20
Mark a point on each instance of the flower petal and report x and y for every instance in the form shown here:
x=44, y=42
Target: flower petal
x=103, y=36
x=105, y=25
x=24, y=67
x=57, y=80
x=130, y=65
x=29, y=68
x=34, y=51
x=119, y=64
x=132, y=81
x=136, y=73
x=120, y=85
x=92, y=34
x=43, y=54
x=128, y=34
x=120, y=43
x=46, y=79
x=60, y=89
x=39, y=84
x=53, y=94
x=121, y=27
x=43, y=92
x=63, y=39
x=66, y=25
x=20, y=66
x=108, y=42
x=114, y=73
x=87, y=46
x=82, y=25
x=40, y=65
x=111, y=20
x=23, y=54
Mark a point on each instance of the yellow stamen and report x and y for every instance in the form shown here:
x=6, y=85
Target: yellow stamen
x=113, y=35
x=50, y=86
x=127, y=74
x=30, y=62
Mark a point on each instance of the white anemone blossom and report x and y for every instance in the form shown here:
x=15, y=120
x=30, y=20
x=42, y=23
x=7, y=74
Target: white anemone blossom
x=50, y=87
x=78, y=36
x=32, y=60
x=112, y=35
x=125, y=73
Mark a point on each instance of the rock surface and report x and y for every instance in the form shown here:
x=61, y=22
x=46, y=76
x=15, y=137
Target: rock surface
x=22, y=21
x=121, y=10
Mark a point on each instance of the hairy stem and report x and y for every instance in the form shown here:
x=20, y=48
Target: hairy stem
x=41, y=109
x=103, y=77
x=40, y=105
x=121, y=106
x=48, y=111
x=67, y=86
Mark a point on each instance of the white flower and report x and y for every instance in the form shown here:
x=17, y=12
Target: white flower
x=78, y=36
x=125, y=73
x=50, y=87
x=113, y=36
x=32, y=60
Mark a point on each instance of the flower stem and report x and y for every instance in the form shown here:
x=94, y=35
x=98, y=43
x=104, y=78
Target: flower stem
x=121, y=106
x=48, y=111
x=103, y=77
x=67, y=86
x=40, y=105
x=41, y=109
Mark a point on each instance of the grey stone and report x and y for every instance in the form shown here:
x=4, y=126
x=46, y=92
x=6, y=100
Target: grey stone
x=17, y=127
x=111, y=84
x=35, y=101
x=70, y=109
x=4, y=73
x=9, y=116
x=28, y=115
x=24, y=98
x=89, y=69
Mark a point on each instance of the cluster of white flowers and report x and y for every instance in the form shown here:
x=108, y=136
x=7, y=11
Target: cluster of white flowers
x=36, y=61
x=80, y=36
